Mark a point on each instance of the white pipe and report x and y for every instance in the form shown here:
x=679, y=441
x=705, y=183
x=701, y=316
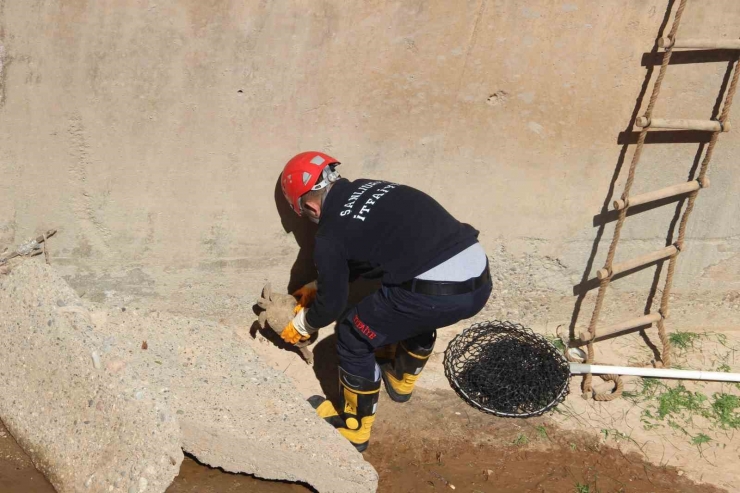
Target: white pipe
x=715, y=376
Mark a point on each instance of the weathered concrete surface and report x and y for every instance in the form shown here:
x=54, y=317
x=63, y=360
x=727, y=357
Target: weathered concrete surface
x=192, y=381
x=234, y=411
x=85, y=427
x=152, y=133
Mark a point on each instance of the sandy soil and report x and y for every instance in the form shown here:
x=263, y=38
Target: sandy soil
x=705, y=450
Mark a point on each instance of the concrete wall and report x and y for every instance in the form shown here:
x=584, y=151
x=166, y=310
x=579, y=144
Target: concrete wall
x=151, y=134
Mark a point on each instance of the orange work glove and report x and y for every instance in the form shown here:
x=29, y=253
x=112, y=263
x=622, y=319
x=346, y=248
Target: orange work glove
x=291, y=335
x=297, y=329
x=306, y=294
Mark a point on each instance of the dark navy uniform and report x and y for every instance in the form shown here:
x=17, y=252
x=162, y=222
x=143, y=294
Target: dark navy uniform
x=395, y=233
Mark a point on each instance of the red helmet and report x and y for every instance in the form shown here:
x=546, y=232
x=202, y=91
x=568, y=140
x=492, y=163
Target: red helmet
x=305, y=172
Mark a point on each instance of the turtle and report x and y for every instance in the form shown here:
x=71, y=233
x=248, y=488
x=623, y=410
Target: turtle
x=277, y=311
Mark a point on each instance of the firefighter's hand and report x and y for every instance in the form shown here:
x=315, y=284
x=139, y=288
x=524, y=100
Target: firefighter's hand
x=297, y=329
x=306, y=294
x=291, y=335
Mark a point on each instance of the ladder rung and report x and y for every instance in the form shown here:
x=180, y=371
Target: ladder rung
x=702, y=43
x=623, y=326
x=663, y=193
x=646, y=259
x=682, y=124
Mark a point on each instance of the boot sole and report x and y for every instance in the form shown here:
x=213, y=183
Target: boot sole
x=395, y=396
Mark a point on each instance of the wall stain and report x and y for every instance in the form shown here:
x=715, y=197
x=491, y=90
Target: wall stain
x=82, y=201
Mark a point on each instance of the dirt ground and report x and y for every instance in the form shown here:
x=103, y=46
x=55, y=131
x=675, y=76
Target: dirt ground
x=431, y=444
x=673, y=423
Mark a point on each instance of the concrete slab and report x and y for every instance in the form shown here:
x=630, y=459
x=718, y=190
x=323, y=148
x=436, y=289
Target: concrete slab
x=235, y=411
x=205, y=389
x=84, y=427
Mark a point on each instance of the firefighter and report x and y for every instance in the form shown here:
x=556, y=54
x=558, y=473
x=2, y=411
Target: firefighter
x=434, y=273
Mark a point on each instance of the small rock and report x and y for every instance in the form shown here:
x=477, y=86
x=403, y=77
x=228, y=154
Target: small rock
x=115, y=366
x=144, y=346
x=96, y=360
x=132, y=489
x=143, y=483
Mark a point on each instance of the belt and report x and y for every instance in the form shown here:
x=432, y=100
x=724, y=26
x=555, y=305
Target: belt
x=446, y=288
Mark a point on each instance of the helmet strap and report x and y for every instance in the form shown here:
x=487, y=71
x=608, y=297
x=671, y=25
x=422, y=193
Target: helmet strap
x=329, y=175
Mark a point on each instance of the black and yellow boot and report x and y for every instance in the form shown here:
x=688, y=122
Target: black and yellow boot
x=385, y=354
x=400, y=375
x=358, y=401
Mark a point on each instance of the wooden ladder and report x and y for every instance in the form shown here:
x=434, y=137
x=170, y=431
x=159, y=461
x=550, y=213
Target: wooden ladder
x=691, y=188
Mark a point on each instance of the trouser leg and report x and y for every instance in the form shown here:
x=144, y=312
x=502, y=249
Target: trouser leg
x=402, y=371
x=359, y=389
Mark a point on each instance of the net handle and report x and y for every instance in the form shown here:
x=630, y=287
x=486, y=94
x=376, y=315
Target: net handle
x=713, y=376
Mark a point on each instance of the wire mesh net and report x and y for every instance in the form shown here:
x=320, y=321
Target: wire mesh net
x=506, y=369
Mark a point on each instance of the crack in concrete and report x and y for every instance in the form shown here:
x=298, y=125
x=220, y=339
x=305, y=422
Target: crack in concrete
x=471, y=44
x=469, y=48
x=4, y=59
